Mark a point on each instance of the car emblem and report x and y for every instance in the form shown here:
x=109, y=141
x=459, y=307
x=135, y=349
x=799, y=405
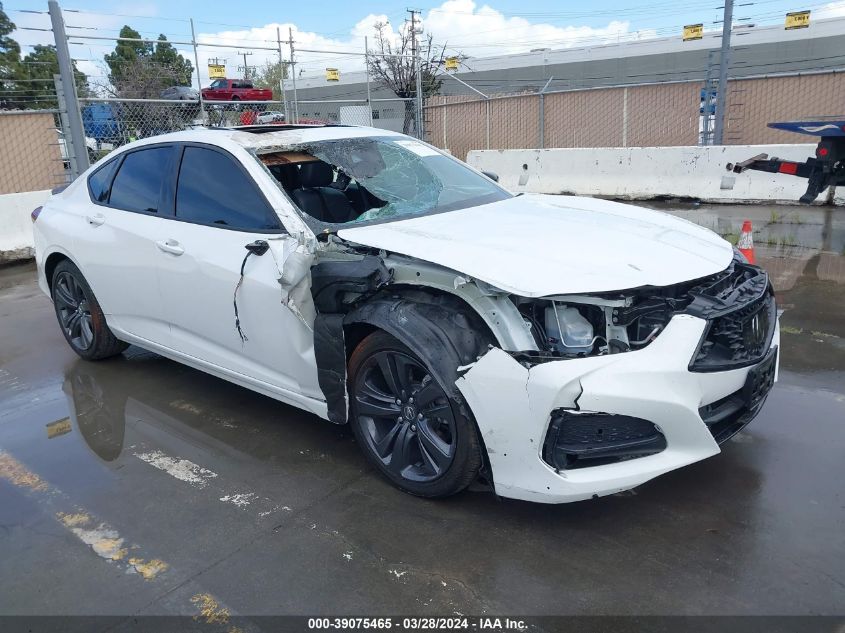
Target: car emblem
x=409, y=411
x=757, y=330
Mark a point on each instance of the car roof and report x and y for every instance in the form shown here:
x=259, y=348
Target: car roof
x=264, y=137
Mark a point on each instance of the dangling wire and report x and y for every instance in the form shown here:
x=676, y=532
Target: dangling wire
x=243, y=336
x=258, y=247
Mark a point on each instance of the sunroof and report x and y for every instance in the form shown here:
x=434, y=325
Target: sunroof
x=264, y=129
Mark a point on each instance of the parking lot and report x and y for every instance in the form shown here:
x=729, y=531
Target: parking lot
x=139, y=486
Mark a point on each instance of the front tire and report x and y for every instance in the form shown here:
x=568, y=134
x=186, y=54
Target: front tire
x=406, y=424
x=81, y=320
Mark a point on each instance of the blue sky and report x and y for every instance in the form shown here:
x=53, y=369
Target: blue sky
x=466, y=26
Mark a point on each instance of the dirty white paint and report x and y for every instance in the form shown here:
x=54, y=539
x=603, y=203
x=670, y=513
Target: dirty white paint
x=106, y=542
x=239, y=499
x=181, y=469
x=648, y=172
x=16, y=240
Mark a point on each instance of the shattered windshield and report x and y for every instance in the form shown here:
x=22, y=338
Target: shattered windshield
x=376, y=178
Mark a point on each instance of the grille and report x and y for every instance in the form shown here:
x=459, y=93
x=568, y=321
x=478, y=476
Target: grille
x=738, y=338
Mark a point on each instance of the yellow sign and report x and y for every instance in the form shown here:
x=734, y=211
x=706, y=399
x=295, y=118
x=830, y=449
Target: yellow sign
x=59, y=427
x=332, y=74
x=693, y=32
x=216, y=71
x=797, y=20
x=451, y=63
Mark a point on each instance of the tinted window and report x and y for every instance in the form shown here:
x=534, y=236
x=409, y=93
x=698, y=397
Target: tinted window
x=212, y=189
x=138, y=182
x=99, y=181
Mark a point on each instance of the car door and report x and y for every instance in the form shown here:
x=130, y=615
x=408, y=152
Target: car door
x=219, y=209
x=117, y=248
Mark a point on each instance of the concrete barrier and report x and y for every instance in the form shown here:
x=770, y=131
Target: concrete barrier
x=16, y=224
x=642, y=173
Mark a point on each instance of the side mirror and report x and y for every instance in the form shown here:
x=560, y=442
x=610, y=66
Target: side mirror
x=492, y=176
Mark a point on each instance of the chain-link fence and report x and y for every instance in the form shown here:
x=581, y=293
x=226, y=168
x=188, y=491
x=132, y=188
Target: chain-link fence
x=398, y=115
x=128, y=104
x=656, y=115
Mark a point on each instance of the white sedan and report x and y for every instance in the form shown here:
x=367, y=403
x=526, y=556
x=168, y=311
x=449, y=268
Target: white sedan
x=557, y=347
x=270, y=116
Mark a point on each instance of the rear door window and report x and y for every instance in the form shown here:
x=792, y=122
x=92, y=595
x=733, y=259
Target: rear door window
x=213, y=189
x=99, y=182
x=137, y=186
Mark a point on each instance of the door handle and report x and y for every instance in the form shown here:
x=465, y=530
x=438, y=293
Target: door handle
x=96, y=220
x=170, y=246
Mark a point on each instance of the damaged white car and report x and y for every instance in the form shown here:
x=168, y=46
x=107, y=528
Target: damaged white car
x=557, y=347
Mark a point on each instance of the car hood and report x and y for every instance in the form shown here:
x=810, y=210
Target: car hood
x=541, y=245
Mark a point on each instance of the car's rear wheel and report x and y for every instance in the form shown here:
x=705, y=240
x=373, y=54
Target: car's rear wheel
x=406, y=423
x=80, y=317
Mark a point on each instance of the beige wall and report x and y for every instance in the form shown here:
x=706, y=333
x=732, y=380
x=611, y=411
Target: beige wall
x=753, y=103
x=30, y=159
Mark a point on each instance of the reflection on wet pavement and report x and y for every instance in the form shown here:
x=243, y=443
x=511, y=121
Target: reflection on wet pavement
x=138, y=486
x=803, y=250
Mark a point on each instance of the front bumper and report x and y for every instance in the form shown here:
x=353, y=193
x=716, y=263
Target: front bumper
x=512, y=405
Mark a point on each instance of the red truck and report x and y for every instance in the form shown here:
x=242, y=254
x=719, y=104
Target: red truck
x=235, y=90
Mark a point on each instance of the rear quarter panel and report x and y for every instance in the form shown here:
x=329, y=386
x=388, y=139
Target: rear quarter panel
x=56, y=231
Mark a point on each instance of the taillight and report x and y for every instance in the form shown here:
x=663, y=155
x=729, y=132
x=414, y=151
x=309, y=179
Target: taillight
x=35, y=213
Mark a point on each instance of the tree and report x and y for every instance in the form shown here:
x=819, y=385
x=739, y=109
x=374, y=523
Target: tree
x=10, y=58
x=270, y=75
x=179, y=68
x=126, y=53
x=393, y=67
x=140, y=70
x=35, y=86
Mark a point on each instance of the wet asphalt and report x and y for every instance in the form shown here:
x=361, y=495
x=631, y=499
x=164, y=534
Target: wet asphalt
x=139, y=486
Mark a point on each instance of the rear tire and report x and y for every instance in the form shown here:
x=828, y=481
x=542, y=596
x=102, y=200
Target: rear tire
x=80, y=318
x=406, y=424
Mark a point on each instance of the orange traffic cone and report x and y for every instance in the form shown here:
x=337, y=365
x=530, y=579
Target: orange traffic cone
x=745, y=245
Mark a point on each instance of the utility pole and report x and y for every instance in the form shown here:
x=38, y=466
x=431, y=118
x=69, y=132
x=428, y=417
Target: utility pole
x=246, y=66
x=78, y=158
x=724, y=62
x=282, y=69
x=415, y=53
x=293, y=76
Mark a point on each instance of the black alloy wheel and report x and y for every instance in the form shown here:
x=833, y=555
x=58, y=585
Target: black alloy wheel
x=80, y=317
x=73, y=310
x=407, y=424
x=406, y=416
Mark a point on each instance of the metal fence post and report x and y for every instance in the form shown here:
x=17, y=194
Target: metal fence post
x=625, y=116
x=420, y=126
x=542, y=126
x=487, y=117
x=79, y=152
x=724, y=61
x=197, y=62
x=367, y=74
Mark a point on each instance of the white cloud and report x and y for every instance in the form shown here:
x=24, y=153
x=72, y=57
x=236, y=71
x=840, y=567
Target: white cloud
x=461, y=25
x=831, y=10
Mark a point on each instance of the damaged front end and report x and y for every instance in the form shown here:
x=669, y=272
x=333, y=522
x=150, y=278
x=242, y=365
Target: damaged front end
x=622, y=387
x=578, y=326
x=574, y=395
